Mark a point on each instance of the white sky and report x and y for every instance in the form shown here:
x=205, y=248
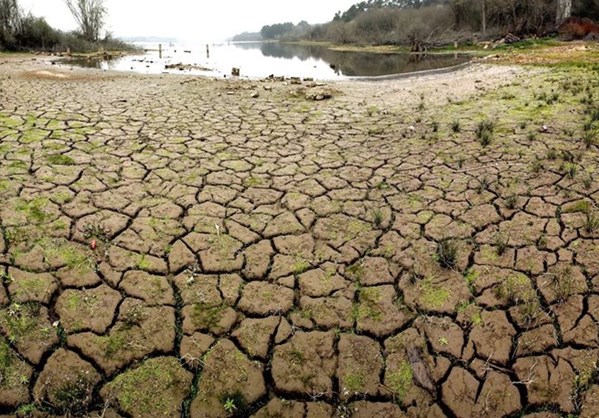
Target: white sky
x=193, y=19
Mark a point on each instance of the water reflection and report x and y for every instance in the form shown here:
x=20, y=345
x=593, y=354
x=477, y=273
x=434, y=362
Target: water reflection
x=258, y=59
x=359, y=64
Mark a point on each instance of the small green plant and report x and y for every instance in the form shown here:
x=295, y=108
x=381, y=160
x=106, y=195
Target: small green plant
x=536, y=166
x=501, y=244
x=132, y=316
x=235, y=404
x=432, y=296
x=570, y=157
x=581, y=206
x=563, y=284
x=447, y=253
x=484, y=132
x=435, y=126
x=570, y=169
x=455, y=126
x=401, y=381
x=207, y=315
x=513, y=289
x=511, y=201
x=552, y=154
x=484, y=184
x=353, y=382
x=26, y=410
x=591, y=222
x=73, y=397
x=471, y=276
x=588, y=138
x=114, y=344
x=300, y=266
x=531, y=136
x=97, y=231
x=587, y=126
x=59, y=159
x=229, y=406
x=587, y=182
x=369, y=308
x=377, y=218
x=34, y=210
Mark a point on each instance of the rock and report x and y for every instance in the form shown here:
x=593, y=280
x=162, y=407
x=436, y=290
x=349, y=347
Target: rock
x=186, y=67
x=235, y=72
x=318, y=94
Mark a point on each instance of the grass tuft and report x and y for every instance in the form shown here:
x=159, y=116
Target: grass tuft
x=447, y=253
x=484, y=132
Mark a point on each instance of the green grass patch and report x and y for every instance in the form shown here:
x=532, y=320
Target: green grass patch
x=59, y=159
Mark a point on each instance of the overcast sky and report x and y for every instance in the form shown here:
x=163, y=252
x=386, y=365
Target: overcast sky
x=193, y=19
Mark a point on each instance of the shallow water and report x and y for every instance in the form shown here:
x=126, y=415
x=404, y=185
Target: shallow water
x=257, y=60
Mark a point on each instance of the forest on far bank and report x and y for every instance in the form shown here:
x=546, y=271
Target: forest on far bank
x=438, y=22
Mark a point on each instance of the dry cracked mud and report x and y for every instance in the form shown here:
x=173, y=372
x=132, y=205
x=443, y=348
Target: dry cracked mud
x=422, y=247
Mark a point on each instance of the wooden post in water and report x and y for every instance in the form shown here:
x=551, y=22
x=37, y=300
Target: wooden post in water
x=160, y=51
x=207, y=51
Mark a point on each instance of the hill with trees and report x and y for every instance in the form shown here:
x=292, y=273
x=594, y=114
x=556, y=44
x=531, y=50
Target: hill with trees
x=438, y=22
x=444, y=21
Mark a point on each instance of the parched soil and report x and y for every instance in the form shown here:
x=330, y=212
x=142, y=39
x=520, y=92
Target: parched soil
x=420, y=247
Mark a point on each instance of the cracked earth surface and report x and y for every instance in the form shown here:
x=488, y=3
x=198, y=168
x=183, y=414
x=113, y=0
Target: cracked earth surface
x=175, y=246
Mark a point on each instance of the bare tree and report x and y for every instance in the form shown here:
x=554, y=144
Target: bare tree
x=10, y=21
x=484, y=16
x=564, y=11
x=89, y=15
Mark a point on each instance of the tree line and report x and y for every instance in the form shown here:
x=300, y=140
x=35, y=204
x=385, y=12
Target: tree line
x=285, y=30
x=21, y=31
x=414, y=22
